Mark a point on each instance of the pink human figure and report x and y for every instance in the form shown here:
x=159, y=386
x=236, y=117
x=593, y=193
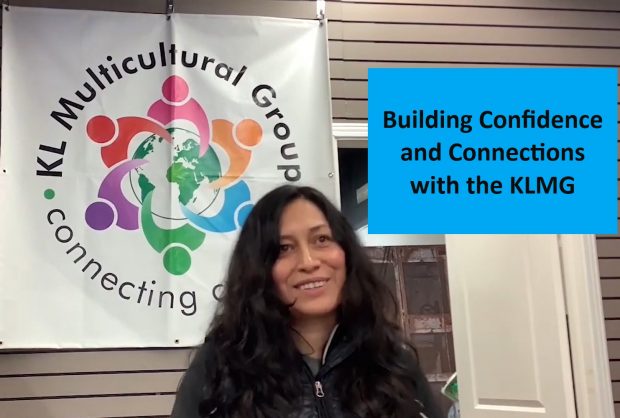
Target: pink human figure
x=175, y=90
x=102, y=129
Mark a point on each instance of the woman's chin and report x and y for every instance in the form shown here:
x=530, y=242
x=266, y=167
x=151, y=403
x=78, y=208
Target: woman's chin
x=308, y=309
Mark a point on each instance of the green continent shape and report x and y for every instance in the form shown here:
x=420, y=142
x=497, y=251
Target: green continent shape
x=145, y=148
x=142, y=152
x=188, y=170
x=145, y=185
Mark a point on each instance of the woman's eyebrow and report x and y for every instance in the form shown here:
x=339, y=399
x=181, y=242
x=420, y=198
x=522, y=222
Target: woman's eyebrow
x=311, y=229
x=318, y=227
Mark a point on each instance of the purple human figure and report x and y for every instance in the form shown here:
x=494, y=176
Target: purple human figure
x=100, y=214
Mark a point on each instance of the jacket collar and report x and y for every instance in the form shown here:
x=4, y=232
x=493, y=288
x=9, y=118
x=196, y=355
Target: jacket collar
x=329, y=343
x=338, y=348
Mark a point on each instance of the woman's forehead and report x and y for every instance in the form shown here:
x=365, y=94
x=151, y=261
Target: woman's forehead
x=302, y=216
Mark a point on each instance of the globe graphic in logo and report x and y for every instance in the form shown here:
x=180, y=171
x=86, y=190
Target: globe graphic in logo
x=183, y=183
x=176, y=175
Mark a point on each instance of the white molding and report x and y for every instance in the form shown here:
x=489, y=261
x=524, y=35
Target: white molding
x=335, y=176
x=586, y=323
x=355, y=135
x=350, y=130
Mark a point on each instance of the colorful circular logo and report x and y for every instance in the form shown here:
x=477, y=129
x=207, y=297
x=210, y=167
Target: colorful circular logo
x=184, y=180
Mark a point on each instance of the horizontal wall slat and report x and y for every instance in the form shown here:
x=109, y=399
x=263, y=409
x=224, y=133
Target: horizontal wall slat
x=612, y=328
x=333, y=8
x=613, y=347
x=476, y=53
x=93, y=361
x=143, y=6
x=343, y=109
x=611, y=288
x=274, y=8
x=93, y=384
x=608, y=248
x=121, y=406
x=471, y=34
x=478, y=16
x=614, y=369
x=615, y=388
x=358, y=70
x=551, y=4
x=609, y=268
x=349, y=89
x=358, y=109
x=611, y=308
x=358, y=89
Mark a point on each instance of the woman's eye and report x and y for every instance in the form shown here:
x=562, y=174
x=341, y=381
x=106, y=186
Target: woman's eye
x=323, y=239
x=284, y=248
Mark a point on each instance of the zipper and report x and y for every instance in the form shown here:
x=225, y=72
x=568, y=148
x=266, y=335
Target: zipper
x=320, y=395
x=318, y=390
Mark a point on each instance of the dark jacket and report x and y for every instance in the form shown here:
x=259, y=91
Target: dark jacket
x=320, y=396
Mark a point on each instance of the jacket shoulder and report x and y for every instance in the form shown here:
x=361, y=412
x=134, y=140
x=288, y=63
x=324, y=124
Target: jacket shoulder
x=424, y=394
x=193, y=385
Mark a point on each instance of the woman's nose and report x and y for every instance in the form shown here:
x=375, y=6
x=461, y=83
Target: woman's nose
x=307, y=259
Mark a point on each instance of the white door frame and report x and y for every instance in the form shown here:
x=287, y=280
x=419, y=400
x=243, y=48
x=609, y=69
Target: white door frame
x=586, y=323
x=355, y=135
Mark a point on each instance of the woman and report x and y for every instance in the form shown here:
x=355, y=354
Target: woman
x=305, y=328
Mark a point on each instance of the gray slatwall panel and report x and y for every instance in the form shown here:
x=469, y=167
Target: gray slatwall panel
x=113, y=406
x=613, y=347
x=612, y=328
x=609, y=248
x=563, y=47
x=347, y=108
x=358, y=71
x=359, y=109
x=359, y=89
x=88, y=384
x=434, y=34
x=274, y=8
x=368, y=51
x=142, y=6
x=93, y=361
x=609, y=267
x=415, y=14
x=278, y=8
x=511, y=4
x=611, y=308
x=344, y=109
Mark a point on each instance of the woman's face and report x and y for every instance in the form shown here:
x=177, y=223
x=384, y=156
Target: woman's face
x=310, y=270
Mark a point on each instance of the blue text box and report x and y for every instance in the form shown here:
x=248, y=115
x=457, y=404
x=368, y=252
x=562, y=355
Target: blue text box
x=493, y=150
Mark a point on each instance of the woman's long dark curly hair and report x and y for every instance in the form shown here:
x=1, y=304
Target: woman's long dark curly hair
x=250, y=368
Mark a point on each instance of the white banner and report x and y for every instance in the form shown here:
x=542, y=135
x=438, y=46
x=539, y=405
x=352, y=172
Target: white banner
x=133, y=147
